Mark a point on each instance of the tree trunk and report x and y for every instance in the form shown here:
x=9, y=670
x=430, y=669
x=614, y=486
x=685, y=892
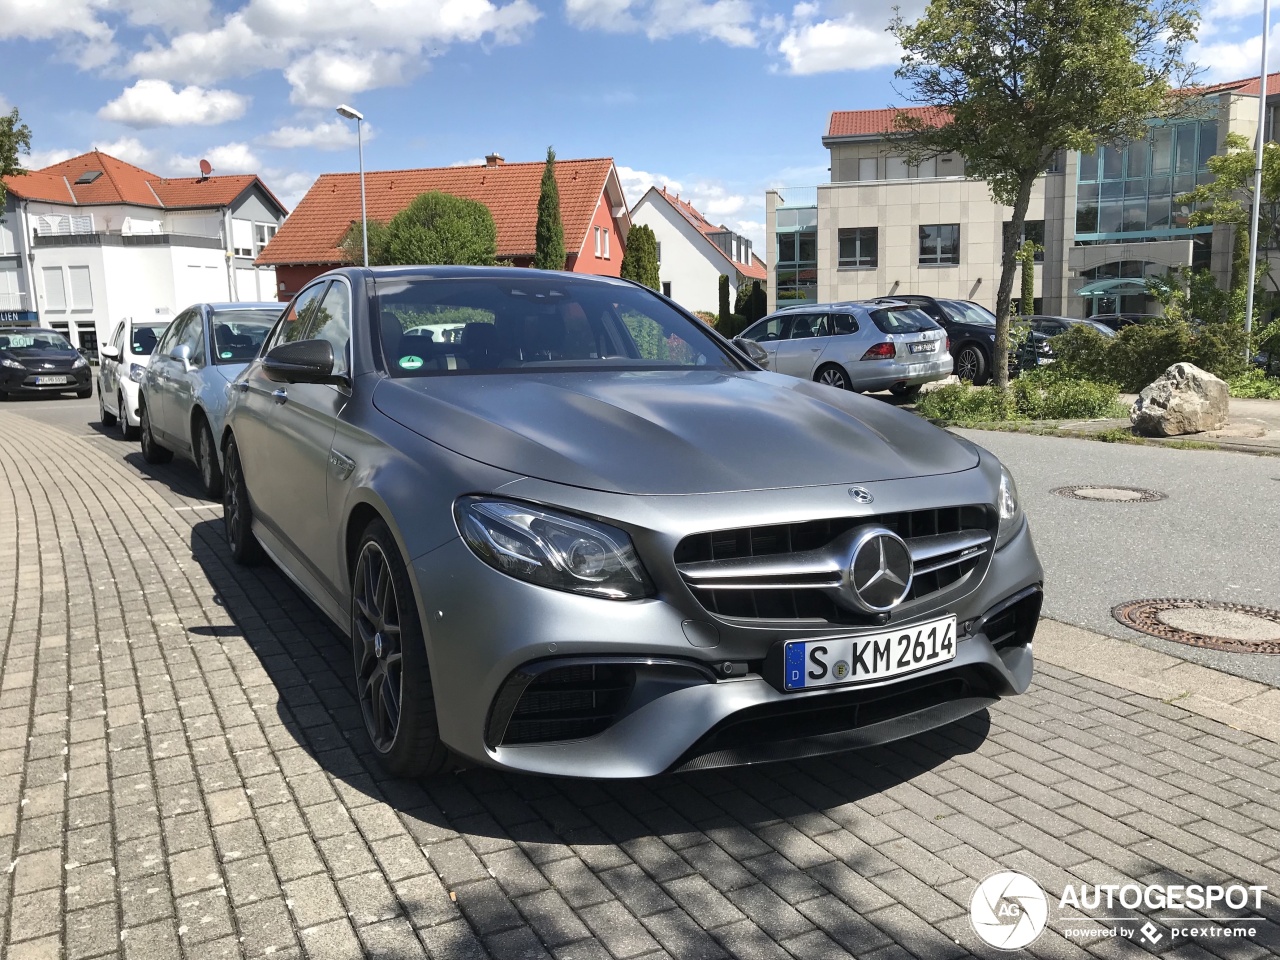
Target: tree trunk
x=1004, y=295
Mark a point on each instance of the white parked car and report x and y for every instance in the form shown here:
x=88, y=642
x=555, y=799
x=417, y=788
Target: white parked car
x=121, y=363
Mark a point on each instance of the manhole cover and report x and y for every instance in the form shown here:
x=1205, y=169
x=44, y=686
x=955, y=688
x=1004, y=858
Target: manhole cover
x=1233, y=627
x=1110, y=494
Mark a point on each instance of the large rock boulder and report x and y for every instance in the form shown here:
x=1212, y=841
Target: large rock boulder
x=1184, y=399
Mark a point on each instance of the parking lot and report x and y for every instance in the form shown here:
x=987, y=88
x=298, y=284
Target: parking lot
x=182, y=773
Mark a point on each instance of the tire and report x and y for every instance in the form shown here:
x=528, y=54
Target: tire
x=105, y=417
x=206, y=452
x=127, y=430
x=910, y=394
x=152, y=452
x=237, y=514
x=393, y=682
x=971, y=364
x=833, y=375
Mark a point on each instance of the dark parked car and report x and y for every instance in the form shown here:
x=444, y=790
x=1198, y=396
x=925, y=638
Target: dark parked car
x=1118, y=321
x=1036, y=346
x=38, y=361
x=588, y=538
x=971, y=329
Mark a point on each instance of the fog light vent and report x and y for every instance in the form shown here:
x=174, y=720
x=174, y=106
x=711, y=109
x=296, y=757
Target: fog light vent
x=569, y=703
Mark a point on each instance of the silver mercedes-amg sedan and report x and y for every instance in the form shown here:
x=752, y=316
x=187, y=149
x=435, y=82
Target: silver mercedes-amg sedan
x=587, y=537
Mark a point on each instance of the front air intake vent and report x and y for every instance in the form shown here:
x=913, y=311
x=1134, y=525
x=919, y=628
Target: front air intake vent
x=568, y=703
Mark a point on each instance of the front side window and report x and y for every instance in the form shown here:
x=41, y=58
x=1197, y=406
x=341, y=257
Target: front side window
x=174, y=331
x=238, y=334
x=969, y=312
x=331, y=321
x=293, y=323
x=193, y=337
x=859, y=246
x=939, y=244
x=767, y=330
x=513, y=326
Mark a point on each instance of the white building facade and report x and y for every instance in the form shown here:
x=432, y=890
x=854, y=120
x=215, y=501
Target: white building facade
x=93, y=240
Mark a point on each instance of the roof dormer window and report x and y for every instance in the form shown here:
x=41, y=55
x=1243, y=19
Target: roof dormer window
x=88, y=177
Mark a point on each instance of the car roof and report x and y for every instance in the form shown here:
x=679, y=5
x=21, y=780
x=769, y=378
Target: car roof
x=454, y=272
x=247, y=305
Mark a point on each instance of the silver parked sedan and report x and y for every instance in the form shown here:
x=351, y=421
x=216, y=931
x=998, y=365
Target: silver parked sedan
x=588, y=538
x=856, y=346
x=183, y=396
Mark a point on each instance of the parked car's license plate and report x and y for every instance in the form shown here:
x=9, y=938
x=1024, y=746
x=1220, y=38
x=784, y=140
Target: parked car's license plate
x=869, y=656
x=926, y=347
x=45, y=381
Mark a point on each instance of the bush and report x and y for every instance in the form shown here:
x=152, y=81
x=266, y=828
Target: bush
x=1039, y=395
x=1141, y=352
x=1255, y=385
x=706, y=316
x=732, y=325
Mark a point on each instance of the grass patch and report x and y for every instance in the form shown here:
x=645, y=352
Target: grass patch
x=1118, y=435
x=1191, y=445
x=1039, y=395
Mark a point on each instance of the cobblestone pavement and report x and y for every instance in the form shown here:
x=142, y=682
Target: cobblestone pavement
x=182, y=775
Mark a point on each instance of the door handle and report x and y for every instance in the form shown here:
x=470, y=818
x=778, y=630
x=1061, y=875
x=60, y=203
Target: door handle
x=281, y=395
x=243, y=386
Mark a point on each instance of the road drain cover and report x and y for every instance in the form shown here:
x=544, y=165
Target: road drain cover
x=1233, y=627
x=1110, y=494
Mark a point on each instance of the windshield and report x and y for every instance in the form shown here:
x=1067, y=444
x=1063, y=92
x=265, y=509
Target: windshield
x=902, y=320
x=143, y=339
x=238, y=334
x=969, y=312
x=434, y=327
x=33, y=341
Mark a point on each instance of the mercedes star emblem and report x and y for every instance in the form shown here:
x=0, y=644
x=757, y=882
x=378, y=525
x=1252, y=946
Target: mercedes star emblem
x=880, y=570
x=861, y=494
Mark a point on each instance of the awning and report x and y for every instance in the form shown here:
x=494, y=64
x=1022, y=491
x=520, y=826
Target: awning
x=1122, y=287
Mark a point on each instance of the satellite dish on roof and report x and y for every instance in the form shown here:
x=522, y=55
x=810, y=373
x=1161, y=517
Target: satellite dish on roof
x=205, y=169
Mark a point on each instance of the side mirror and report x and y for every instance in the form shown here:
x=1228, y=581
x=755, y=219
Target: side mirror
x=753, y=351
x=110, y=352
x=302, y=361
x=181, y=353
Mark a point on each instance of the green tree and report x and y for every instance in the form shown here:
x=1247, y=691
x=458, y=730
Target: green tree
x=549, y=233
x=724, y=303
x=15, y=138
x=640, y=260
x=1016, y=81
x=436, y=228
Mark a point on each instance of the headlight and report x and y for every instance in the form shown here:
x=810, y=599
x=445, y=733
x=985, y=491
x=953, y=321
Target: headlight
x=12, y=364
x=80, y=362
x=1010, y=508
x=135, y=372
x=552, y=549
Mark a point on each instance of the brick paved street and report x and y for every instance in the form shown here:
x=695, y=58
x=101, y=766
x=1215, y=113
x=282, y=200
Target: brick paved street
x=182, y=773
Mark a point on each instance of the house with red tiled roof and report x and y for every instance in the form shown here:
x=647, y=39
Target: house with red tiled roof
x=92, y=240
x=593, y=211
x=693, y=252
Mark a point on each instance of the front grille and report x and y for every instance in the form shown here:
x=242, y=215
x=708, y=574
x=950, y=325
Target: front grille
x=569, y=703
x=780, y=571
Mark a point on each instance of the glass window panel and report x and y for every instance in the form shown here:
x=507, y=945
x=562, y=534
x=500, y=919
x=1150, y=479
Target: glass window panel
x=807, y=217
x=807, y=247
x=1162, y=152
x=867, y=168
x=1087, y=218
x=1158, y=213
x=1162, y=187
x=1112, y=163
x=1109, y=214
x=1136, y=159
x=1208, y=140
x=786, y=248
x=1089, y=165
x=1135, y=188
x=1185, y=159
x=895, y=168
x=1184, y=184
x=857, y=247
x=927, y=169
x=1135, y=216
x=1112, y=191
x=1087, y=192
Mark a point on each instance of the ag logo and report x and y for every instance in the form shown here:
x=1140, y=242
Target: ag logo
x=1008, y=910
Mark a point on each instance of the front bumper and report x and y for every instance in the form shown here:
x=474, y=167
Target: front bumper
x=23, y=382
x=684, y=708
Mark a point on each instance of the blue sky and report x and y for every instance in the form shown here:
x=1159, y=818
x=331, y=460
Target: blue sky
x=719, y=99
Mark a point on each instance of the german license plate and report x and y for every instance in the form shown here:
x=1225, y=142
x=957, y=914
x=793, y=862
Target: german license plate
x=869, y=656
x=48, y=381
x=926, y=347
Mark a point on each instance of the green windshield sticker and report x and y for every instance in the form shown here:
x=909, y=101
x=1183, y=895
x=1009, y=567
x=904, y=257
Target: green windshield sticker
x=226, y=354
x=410, y=363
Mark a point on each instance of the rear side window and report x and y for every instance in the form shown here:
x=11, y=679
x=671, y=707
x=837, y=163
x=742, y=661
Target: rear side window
x=902, y=320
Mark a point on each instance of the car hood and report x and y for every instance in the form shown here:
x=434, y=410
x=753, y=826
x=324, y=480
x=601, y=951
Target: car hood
x=671, y=432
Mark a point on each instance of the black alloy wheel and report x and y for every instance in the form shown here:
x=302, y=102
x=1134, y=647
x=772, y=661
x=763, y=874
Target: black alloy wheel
x=152, y=452
x=971, y=365
x=211, y=478
x=237, y=516
x=393, y=683
x=833, y=376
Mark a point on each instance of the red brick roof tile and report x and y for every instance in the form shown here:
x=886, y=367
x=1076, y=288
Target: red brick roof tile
x=863, y=123
x=510, y=191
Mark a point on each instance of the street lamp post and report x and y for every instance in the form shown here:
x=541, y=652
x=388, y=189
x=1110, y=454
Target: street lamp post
x=1257, y=182
x=351, y=113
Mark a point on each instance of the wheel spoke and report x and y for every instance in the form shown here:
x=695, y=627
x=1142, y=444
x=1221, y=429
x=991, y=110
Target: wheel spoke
x=390, y=704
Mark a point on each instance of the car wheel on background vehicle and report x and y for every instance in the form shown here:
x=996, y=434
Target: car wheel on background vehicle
x=127, y=430
x=393, y=684
x=105, y=416
x=910, y=394
x=971, y=364
x=152, y=452
x=833, y=375
x=237, y=515
x=207, y=460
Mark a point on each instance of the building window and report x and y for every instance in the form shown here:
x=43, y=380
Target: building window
x=895, y=168
x=859, y=246
x=666, y=289
x=597, y=236
x=867, y=168
x=242, y=238
x=797, y=263
x=928, y=168
x=605, y=234
x=81, y=288
x=262, y=234
x=9, y=296
x=55, y=290
x=1032, y=230
x=939, y=244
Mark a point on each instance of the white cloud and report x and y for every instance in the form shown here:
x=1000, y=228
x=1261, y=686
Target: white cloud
x=131, y=150
x=232, y=50
x=1234, y=60
x=227, y=158
x=730, y=21
x=5, y=105
x=326, y=77
x=156, y=103
x=473, y=162
x=39, y=159
x=851, y=37
x=712, y=199
x=336, y=134
x=169, y=15
x=51, y=19
x=290, y=186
